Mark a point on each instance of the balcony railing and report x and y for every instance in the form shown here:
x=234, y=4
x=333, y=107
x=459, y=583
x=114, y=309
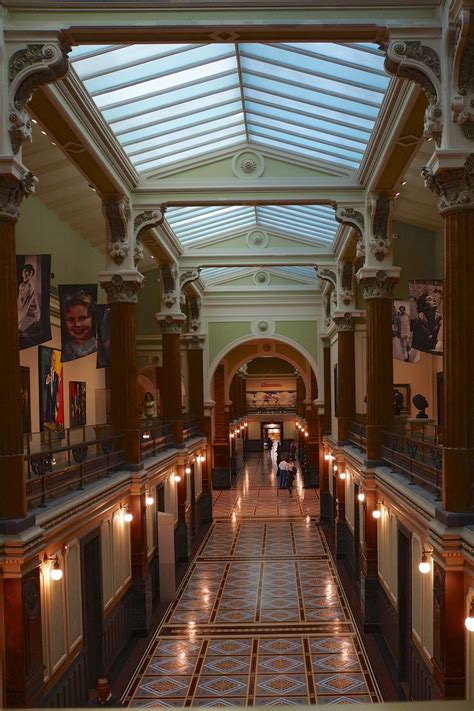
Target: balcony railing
x=58, y=462
x=357, y=434
x=420, y=460
x=155, y=435
x=190, y=427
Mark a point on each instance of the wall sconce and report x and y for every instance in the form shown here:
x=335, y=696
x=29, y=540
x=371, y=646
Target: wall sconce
x=176, y=478
x=424, y=566
x=55, y=572
x=376, y=513
x=127, y=516
x=335, y=467
x=53, y=461
x=146, y=435
x=187, y=470
x=232, y=435
x=149, y=500
x=361, y=496
x=469, y=621
x=327, y=457
x=201, y=458
x=306, y=434
x=342, y=475
x=246, y=424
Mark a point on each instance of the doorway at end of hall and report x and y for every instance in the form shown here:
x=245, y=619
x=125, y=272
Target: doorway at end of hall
x=273, y=430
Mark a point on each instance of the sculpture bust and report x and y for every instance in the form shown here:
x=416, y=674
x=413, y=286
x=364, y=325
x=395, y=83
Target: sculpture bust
x=149, y=405
x=421, y=403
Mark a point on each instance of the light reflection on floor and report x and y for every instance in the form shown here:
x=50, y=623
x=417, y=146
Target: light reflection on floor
x=260, y=618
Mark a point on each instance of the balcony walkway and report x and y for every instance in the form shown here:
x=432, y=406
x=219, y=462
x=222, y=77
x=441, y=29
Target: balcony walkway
x=260, y=618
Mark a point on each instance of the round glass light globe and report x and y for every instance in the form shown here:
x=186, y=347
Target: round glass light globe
x=56, y=574
x=149, y=500
x=128, y=517
x=376, y=513
x=424, y=567
x=361, y=497
x=469, y=623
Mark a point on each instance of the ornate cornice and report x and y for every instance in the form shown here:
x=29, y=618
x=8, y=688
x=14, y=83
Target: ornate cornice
x=29, y=68
x=12, y=192
x=453, y=186
x=344, y=322
x=121, y=288
x=350, y=216
x=410, y=59
x=377, y=284
x=117, y=214
x=170, y=323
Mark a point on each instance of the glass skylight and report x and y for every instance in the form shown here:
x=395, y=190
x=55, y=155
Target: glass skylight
x=170, y=103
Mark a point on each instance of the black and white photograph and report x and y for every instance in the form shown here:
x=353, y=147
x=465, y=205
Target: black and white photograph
x=77, y=304
x=402, y=333
x=426, y=313
x=33, y=276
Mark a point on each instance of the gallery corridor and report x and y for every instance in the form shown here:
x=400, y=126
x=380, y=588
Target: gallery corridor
x=260, y=618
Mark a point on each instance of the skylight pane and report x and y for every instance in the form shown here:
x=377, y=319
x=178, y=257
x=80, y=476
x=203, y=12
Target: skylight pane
x=196, y=141
x=184, y=155
x=120, y=56
x=300, y=144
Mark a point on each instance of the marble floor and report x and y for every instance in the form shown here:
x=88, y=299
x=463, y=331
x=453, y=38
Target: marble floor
x=260, y=618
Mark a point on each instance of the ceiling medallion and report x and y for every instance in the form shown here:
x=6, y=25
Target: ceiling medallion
x=263, y=327
x=261, y=278
x=257, y=239
x=248, y=164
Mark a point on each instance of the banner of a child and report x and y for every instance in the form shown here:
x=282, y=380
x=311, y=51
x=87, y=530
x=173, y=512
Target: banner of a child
x=78, y=305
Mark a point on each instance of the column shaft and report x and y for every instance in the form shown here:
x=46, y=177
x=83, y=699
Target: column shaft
x=327, y=385
x=12, y=489
x=196, y=385
x=172, y=410
x=123, y=377
x=221, y=439
x=379, y=373
x=458, y=362
x=346, y=382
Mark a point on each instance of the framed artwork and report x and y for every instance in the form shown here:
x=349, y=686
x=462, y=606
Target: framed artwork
x=77, y=304
x=51, y=389
x=25, y=399
x=33, y=274
x=77, y=404
x=401, y=399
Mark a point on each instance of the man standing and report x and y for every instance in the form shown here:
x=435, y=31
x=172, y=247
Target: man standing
x=284, y=464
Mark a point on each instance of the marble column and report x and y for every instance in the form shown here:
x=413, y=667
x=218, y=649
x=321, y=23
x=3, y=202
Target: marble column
x=345, y=325
x=172, y=410
x=221, y=445
x=12, y=486
x=122, y=294
x=378, y=286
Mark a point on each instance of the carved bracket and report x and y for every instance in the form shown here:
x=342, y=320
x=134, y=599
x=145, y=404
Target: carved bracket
x=380, y=243
x=454, y=187
x=117, y=214
x=29, y=68
x=188, y=276
x=412, y=60
x=462, y=104
x=346, y=278
x=144, y=221
x=349, y=216
x=326, y=275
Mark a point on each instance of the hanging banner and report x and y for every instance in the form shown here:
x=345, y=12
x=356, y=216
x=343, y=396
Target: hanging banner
x=402, y=335
x=33, y=275
x=77, y=303
x=426, y=314
x=103, y=335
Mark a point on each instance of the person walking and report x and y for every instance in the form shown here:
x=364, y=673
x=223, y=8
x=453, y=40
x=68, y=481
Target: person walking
x=284, y=465
x=290, y=478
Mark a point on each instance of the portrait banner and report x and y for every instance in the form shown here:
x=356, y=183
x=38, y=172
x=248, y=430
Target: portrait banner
x=51, y=389
x=426, y=314
x=33, y=277
x=77, y=404
x=103, y=335
x=402, y=335
x=77, y=304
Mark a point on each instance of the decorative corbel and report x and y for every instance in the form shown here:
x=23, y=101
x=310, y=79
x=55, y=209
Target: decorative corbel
x=169, y=275
x=326, y=274
x=352, y=217
x=144, y=221
x=346, y=281
x=28, y=68
x=380, y=243
x=195, y=304
x=462, y=103
x=12, y=192
x=117, y=214
x=187, y=276
x=410, y=59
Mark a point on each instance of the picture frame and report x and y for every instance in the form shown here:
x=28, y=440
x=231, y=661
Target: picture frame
x=77, y=403
x=403, y=405
x=26, y=399
x=50, y=375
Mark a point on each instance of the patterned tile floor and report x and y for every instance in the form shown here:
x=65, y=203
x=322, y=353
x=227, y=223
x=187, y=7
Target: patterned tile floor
x=260, y=618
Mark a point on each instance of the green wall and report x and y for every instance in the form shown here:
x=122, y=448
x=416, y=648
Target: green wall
x=74, y=260
x=149, y=305
x=419, y=253
x=303, y=332
x=221, y=334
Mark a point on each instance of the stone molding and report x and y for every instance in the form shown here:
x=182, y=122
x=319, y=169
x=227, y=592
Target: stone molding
x=344, y=322
x=170, y=323
x=378, y=283
x=453, y=186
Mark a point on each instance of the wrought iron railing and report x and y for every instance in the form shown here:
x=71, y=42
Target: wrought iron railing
x=421, y=461
x=357, y=434
x=155, y=435
x=58, y=462
x=190, y=427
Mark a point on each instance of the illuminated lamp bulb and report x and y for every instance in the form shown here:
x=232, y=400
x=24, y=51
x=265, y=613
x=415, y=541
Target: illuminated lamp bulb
x=342, y=475
x=232, y=435
x=127, y=516
x=201, y=458
x=188, y=470
x=56, y=573
x=469, y=621
x=306, y=434
x=327, y=457
x=376, y=513
x=424, y=567
x=177, y=478
x=361, y=496
x=335, y=467
x=149, y=500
